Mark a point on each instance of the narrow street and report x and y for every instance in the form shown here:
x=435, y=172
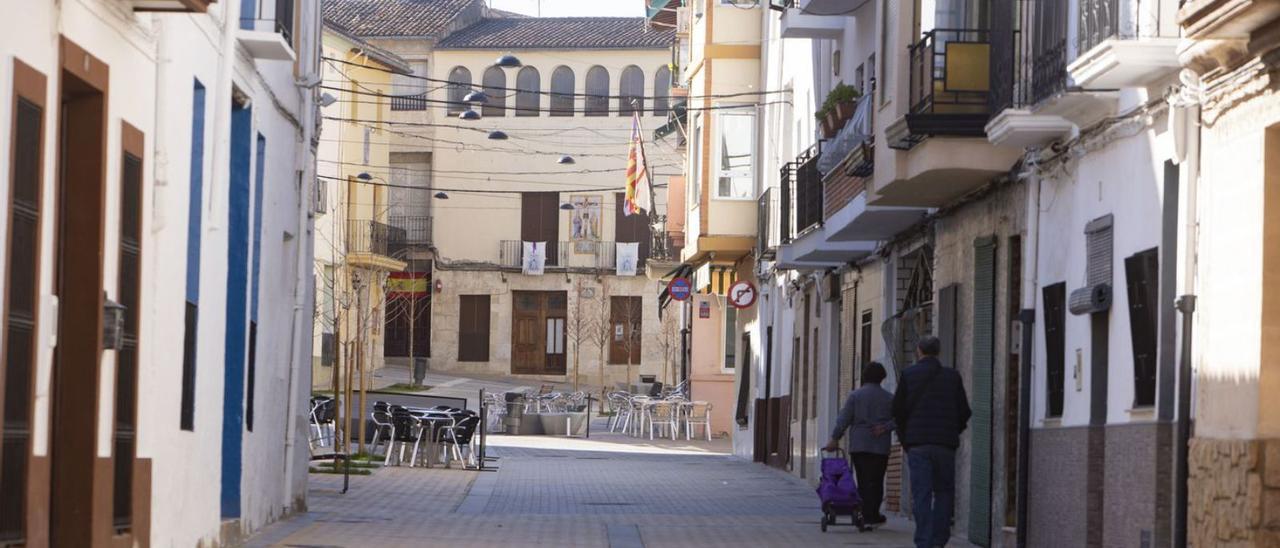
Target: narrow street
x=611, y=490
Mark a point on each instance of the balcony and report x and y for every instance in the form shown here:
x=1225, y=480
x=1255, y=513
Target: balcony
x=417, y=230
x=803, y=236
x=1029, y=74
x=821, y=8
x=511, y=254
x=375, y=245
x=801, y=195
x=856, y=142
x=1118, y=49
x=1229, y=19
x=188, y=6
x=949, y=87
x=800, y=20
x=266, y=29
x=768, y=218
x=409, y=102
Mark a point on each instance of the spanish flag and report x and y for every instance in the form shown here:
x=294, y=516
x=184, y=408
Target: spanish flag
x=638, y=185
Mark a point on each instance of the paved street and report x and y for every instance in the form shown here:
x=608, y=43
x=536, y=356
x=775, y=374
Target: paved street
x=610, y=490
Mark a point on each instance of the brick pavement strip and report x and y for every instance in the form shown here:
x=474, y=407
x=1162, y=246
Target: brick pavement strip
x=607, y=491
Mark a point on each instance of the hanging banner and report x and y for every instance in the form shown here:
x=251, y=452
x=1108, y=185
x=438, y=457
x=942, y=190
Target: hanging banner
x=628, y=256
x=535, y=258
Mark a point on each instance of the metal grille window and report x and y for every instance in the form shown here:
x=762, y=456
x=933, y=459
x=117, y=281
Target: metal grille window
x=20, y=314
x=597, y=91
x=1055, y=347
x=459, y=86
x=495, y=82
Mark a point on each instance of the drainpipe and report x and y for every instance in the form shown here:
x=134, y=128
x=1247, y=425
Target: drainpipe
x=304, y=157
x=1187, y=306
x=1030, y=286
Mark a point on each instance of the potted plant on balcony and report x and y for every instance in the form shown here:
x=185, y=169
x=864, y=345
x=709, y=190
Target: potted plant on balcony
x=837, y=109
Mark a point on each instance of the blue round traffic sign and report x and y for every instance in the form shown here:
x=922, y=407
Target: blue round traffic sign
x=680, y=288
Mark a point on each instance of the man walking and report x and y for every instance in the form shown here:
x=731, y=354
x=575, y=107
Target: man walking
x=866, y=414
x=931, y=409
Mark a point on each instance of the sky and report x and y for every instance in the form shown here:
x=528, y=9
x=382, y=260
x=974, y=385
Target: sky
x=562, y=8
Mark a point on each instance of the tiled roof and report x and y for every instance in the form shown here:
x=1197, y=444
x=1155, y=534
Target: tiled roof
x=559, y=33
x=394, y=17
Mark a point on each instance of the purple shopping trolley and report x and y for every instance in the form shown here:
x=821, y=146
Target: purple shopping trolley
x=838, y=491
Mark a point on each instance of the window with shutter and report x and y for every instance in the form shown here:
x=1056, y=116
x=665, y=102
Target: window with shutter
x=632, y=228
x=540, y=222
x=1142, y=273
x=473, y=328
x=21, y=288
x=130, y=253
x=947, y=323
x=983, y=387
x=1055, y=346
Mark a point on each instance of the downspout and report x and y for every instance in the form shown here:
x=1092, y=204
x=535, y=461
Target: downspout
x=1030, y=286
x=222, y=109
x=1186, y=304
x=305, y=159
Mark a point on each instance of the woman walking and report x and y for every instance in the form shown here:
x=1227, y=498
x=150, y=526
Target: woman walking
x=868, y=414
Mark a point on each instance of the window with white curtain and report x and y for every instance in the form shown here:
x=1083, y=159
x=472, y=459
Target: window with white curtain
x=735, y=154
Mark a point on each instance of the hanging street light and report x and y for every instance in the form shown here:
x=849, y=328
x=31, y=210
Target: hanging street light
x=475, y=97
x=469, y=115
x=566, y=160
x=508, y=61
x=497, y=135
x=567, y=206
x=442, y=196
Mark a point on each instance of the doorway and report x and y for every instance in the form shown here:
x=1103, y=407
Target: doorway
x=538, y=332
x=79, y=482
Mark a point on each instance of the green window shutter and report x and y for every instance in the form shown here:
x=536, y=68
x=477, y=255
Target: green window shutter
x=984, y=323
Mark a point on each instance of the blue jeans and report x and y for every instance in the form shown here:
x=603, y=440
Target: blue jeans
x=933, y=492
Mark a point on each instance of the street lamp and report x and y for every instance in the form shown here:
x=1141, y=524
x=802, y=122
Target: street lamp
x=508, y=61
x=442, y=196
x=497, y=135
x=567, y=206
x=469, y=115
x=475, y=97
x=566, y=160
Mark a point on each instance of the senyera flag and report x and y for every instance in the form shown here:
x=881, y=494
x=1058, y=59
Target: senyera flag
x=638, y=192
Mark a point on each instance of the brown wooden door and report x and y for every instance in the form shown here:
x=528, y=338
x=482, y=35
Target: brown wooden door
x=625, y=321
x=473, y=328
x=632, y=228
x=538, y=320
x=540, y=222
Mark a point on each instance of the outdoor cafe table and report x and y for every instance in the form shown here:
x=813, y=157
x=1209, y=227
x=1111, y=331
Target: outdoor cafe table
x=430, y=419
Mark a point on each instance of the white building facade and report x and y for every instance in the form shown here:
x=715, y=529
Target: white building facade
x=158, y=162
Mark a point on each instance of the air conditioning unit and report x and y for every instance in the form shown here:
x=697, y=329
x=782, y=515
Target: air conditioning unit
x=683, y=21
x=320, y=201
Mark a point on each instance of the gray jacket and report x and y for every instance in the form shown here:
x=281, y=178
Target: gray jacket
x=865, y=407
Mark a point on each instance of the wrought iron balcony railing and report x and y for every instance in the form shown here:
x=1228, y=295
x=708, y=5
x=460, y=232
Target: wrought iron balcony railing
x=281, y=20
x=1099, y=20
x=950, y=72
x=767, y=217
x=374, y=237
x=417, y=229
x=409, y=102
x=801, y=195
x=511, y=253
x=1028, y=52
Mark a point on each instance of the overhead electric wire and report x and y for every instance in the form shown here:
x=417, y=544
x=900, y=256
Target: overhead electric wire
x=557, y=94
x=470, y=190
x=587, y=112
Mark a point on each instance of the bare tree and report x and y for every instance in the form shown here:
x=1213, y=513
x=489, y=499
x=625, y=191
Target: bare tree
x=668, y=342
x=581, y=329
x=598, y=328
x=631, y=323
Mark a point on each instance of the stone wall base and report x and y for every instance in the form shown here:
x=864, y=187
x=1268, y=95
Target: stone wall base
x=1234, y=493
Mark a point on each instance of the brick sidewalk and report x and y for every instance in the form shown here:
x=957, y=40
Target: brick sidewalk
x=607, y=491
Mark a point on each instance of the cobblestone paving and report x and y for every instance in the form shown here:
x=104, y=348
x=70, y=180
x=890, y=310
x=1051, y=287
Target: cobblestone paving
x=609, y=491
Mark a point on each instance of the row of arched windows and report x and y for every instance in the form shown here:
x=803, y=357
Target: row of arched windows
x=528, y=95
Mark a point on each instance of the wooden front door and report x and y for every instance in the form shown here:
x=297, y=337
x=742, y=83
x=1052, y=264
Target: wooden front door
x=538, y=332
x=625, y=321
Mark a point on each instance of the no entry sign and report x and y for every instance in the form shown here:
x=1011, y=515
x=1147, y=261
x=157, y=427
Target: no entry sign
x=680, y=288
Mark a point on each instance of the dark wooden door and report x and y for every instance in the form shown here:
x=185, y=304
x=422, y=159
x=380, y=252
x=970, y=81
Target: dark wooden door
x=625, y=321
x=540, y=222
x=632, y=228
x=538, y=321
x=473, y=328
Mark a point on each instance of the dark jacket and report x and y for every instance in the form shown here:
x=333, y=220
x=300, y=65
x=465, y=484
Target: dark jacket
x=930, y=412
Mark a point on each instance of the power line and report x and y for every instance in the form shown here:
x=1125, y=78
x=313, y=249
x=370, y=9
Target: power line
x=588, y=111
x=557, y=94
x=471, y=190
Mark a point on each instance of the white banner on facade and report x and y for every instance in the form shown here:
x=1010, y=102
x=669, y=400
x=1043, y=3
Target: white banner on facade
x=628, y=256
x=535, y=258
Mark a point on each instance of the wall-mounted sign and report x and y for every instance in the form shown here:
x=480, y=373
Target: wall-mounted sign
x=680, y=289
x=704, y=309
x=743, y=294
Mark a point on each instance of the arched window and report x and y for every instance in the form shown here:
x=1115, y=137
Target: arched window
x=631, y=91
x=661, y=91
x=528, y=99
x=562, y=100
x=597, y=91
x=459, y=86
x=494, y=83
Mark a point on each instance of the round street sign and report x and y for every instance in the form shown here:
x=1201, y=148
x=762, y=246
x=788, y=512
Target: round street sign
x=742, y=294
x=680, y=288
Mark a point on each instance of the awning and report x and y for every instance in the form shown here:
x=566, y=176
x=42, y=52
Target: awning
x=676, y=120
x=654, y=10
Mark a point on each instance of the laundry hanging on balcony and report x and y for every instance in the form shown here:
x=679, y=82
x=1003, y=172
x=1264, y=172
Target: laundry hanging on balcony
x=856, y=132
x=534, y=258
x=628, y=256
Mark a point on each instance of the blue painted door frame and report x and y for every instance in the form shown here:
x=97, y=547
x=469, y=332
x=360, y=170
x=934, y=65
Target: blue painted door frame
x=237, y=303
